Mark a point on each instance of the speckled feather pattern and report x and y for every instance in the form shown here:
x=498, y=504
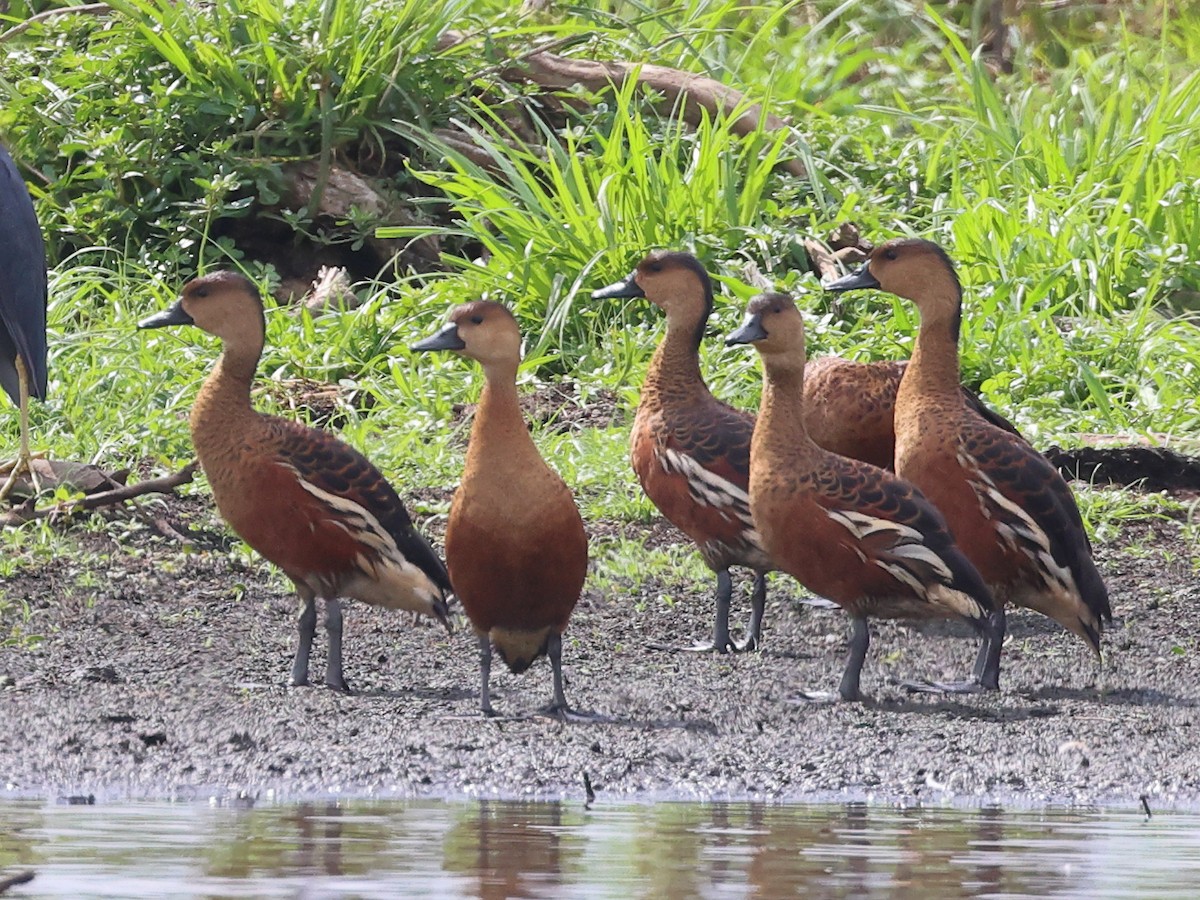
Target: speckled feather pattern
x=857, y=535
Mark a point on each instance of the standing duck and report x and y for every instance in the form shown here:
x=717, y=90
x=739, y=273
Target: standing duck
x=691, y=452
x=1009, y=508
x=845, y=529
x=515, y=542
x=305, y=500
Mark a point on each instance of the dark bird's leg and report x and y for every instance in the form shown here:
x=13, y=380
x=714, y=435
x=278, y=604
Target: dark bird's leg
x=758, y=604
x=21, y=464
x=848, y=690
x=333, y=628
x=985, y=675
x=559, y=708
x=485, y=675
x=307, y=626
x=987, y=663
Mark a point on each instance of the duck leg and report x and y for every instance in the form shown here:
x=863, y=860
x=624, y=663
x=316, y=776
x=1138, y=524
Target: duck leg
x=333, y=628
x=307, y=623
x=485, y=675
x=21, y=463
x=559, y=708
x=721, y=641
x=848, y=690
x=758, y=605
x=985, y=674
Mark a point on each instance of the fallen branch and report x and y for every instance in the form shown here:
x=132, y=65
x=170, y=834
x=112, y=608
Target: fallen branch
x=693, y=95
x=88, y=8
x=1147, y=468
x=8, y=881
x=162, y=485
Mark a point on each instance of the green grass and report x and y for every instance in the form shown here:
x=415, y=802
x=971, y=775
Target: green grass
x=1066, y=191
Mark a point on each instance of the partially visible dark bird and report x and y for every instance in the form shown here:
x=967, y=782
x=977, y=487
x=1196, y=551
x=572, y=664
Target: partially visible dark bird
x=23, y=293
x=306, y=501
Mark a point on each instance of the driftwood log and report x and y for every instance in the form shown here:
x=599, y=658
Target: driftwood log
x=694, y=96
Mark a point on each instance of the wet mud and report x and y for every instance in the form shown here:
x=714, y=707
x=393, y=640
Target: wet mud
x=162, y=673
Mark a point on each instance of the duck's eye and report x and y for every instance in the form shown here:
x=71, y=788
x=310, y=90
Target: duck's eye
x=890, y=254
x=477, y=319
x=654, y=267
x=202, y=292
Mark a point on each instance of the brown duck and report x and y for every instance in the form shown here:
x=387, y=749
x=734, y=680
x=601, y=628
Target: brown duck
x=845, y=529
x=306, y=501
x=515, y=543
x=1008, y=507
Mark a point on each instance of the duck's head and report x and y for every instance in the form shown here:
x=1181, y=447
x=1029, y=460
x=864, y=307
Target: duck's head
x=912, y=268
x=481, y=330
x=774, y=326
x=224, y=304
x=673, y=281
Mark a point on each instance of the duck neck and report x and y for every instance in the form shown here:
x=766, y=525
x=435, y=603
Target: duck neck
x=674, y=371
x=224, y=398
x=499, y=432
x=933, y=371
x=780, y=423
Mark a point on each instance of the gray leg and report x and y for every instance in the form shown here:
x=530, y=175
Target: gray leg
x=22, y=462
x=559, y=708
x=987, y=663
x=758, y=605
x=985, y=675
x=333, y=628
x=860, y=640
x=308, y=627
x=485, y=675
x=721, y=641
x=554, y=651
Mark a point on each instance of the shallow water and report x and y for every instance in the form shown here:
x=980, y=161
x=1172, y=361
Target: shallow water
x=493, y=849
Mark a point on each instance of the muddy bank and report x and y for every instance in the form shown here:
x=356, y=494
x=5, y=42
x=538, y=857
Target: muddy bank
x=163, y=674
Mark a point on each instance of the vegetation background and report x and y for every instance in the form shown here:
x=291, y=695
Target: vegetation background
x=1055, y=159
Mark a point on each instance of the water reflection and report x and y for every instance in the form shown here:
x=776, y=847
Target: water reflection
x=514, y=849
x=493, y=849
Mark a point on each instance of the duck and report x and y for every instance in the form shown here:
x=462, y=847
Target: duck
x=845, y=529
x=850, y=407
x=300, y=497
x=516, y=546
x=691, y=451
x=1009, y=508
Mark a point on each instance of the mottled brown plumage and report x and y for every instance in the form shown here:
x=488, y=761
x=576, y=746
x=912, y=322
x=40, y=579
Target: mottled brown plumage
x=849, y=407
x=1010, y=510
x=845, y=529
x=305, y=500
x=691, y=452
x=515, y=543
